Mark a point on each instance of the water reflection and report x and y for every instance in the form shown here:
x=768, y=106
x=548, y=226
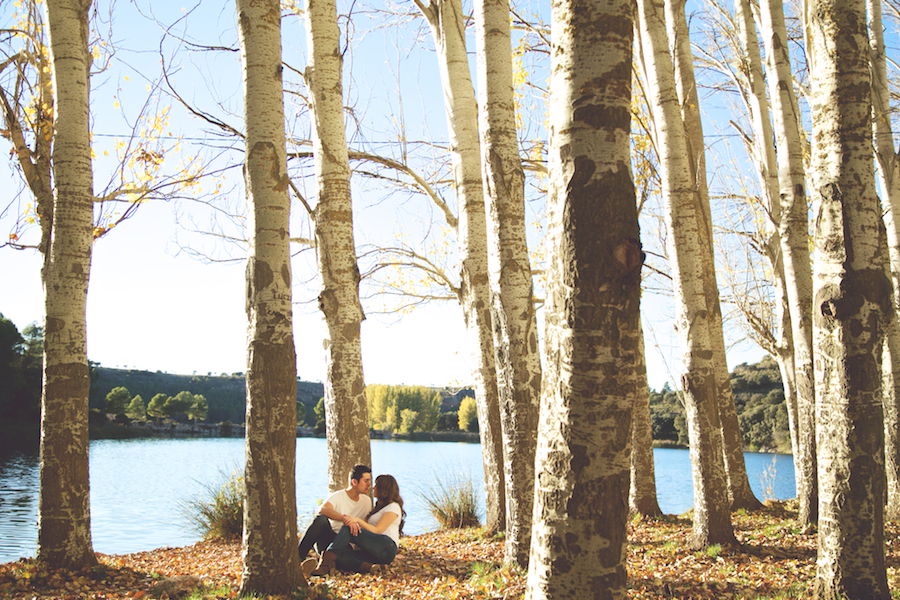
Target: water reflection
x=18, y=505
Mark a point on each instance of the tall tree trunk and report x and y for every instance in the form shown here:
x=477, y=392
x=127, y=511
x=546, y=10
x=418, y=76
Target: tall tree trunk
x=889, y=175
x=785, y=358
x=345, y=391
x=512, y=295
x=712, y=516
x=578, y=546
x=270, y=561
x=64, y=514
x=852, y=300
x=890, y=392
x=642, y=496
x=448, y=28
x=739, y=491
x=794, y=240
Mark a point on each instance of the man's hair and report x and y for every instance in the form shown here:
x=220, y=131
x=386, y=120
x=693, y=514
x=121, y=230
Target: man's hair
x=358, y=471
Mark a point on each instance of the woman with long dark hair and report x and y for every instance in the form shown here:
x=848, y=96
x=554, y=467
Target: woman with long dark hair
x=377, y=536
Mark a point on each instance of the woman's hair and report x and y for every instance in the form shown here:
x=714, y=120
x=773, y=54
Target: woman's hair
x=387, y=491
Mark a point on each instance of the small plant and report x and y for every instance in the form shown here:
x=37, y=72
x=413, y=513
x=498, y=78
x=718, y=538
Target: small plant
x=488, y=579
x=218, y=512
x=452, y=502
x=714, y=551
x=767, y=479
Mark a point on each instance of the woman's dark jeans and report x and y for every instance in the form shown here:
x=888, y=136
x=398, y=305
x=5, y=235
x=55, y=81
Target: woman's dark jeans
x=374, y=548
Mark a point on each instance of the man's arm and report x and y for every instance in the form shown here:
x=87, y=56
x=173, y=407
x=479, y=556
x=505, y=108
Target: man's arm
x=328, y=510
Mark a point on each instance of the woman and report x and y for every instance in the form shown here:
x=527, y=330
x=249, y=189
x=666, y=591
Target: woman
x=377, y=537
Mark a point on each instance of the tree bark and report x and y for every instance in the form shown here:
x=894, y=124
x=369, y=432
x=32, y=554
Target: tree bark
x=64, y=515
x=512, y=297
x=852, y=302
x=578, y=546
x=891, y=400
x=888, y=173
x=447, y=23
x=642, y=498
x=793, y=228
x=712, y=516
x=345, y=391
x=270, y=561
x=739, y=492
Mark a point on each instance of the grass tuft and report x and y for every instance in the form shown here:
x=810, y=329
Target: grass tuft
x=218, y=512
x=452, y=502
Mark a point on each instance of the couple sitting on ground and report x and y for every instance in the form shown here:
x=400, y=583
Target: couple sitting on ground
x=347, y=517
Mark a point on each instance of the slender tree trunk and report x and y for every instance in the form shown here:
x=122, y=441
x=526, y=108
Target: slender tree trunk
x=852, y=302
x=712, y=516
x=890, y=387
x=512, y=297
x=270, y=561
x=739, y=491
x=345, y=391
x=578, y=546
x=889, y=176
x=785, y=359
x=64, y=514
x=794, y=240
x=448, y=28
x=642, y=497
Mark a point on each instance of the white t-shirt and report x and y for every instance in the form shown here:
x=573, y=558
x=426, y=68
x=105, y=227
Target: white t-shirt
x=393, y=530
x=342, y=503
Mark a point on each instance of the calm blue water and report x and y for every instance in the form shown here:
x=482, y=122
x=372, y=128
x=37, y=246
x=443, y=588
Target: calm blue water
x=139, y=486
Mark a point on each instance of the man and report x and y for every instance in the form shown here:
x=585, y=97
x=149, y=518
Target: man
x=336, y=512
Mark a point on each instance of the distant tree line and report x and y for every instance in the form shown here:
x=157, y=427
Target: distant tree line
x=759, y=399
x=21, y=356
x=120, y=403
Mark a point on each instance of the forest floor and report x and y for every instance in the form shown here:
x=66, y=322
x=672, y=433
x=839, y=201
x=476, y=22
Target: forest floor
x=775, y=560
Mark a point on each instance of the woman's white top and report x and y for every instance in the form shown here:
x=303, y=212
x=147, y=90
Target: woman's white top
x=393, y=530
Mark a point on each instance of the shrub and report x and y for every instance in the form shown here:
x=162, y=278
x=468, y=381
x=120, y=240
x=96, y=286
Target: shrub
x=218, y=512
x=452, y=502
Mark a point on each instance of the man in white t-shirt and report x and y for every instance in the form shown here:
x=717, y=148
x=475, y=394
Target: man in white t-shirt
x=338, y=510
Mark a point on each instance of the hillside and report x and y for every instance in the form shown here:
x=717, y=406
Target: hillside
x=758, y=398
x=226, y=394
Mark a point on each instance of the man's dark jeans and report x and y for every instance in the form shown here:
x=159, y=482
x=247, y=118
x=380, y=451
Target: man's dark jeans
x=319, y=533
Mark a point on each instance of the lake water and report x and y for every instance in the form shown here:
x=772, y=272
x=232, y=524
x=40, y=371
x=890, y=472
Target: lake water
x=138, y=486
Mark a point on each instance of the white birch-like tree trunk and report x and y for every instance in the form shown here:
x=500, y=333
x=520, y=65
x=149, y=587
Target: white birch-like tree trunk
x=593, y=336
x=518, y=361
x=642, y=498
x=712, y=516
x=447, y=22
x=852, y=300
x=269, y=553
x=891, y=399
x=888, y=173
x=347, y=422
x=739, y=491
x=793, y=227
x=64, y=515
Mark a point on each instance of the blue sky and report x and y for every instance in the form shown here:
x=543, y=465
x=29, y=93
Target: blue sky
x=153, y=307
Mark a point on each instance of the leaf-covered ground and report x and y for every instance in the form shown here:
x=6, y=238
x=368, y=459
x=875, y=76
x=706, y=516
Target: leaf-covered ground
x=776, y=560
